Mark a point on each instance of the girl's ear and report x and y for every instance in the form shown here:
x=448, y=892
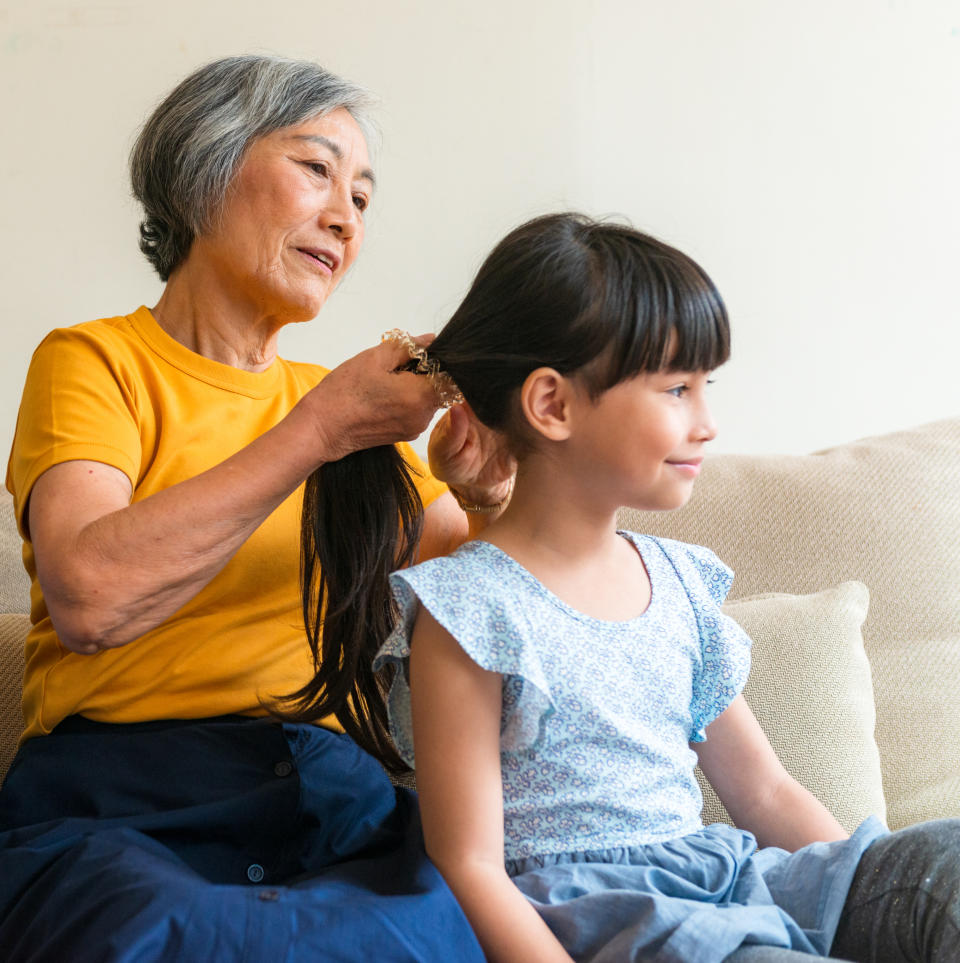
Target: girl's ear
x=545, y=398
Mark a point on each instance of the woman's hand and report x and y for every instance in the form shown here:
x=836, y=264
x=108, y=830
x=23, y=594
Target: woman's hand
x=369, y=401
x=471, y=458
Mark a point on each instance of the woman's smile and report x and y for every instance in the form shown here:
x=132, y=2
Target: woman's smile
x=327, y=261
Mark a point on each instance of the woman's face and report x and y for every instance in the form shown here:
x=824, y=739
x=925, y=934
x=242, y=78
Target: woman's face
x=292, y=221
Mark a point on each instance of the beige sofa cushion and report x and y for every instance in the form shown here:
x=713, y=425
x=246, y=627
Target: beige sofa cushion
x=14, y=598
x=810, y=689
x=13, y=632
x=884, y=511
x=14, y=584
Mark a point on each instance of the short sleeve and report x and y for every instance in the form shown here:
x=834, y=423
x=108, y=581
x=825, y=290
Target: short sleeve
x=724, y=663
x=489, y=622
x=75, y=405
x=714, y=574
x=396, y=652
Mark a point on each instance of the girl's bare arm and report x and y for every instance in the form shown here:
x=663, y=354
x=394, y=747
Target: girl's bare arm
x=456, y=721
x=760, y=795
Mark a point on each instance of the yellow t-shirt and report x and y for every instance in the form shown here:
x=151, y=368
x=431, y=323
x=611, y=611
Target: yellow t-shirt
x=123, y=392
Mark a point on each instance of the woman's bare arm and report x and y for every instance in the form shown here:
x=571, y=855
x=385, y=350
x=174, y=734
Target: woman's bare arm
x=456, y=721
x=444, y=528
x=111, y=570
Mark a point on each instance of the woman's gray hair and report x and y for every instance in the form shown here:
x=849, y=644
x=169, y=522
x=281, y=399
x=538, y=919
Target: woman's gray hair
x=191, y=146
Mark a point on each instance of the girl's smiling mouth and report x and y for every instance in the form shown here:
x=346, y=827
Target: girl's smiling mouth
x=688, y=466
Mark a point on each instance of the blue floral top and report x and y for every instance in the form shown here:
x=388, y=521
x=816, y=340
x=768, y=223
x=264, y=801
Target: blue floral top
x=597, y=716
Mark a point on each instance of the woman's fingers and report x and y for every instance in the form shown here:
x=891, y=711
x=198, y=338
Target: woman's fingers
x=408, y=400
x=394, y=355
x=448, y=438
x=400, y=352
x=366, y=401
x=471, y=457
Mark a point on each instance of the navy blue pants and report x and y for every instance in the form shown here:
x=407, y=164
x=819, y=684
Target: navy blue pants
x=223, y=839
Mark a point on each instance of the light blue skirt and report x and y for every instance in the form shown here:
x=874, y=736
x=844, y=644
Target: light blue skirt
x=695, y=899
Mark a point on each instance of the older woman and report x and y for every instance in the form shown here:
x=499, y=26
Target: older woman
x=153, y=811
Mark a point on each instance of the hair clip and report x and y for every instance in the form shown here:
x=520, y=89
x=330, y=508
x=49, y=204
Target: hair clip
x=448, y=394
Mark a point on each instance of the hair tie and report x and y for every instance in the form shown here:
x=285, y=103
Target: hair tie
x=448, y=394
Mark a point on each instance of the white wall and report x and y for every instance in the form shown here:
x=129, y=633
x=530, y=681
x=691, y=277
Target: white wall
x=806, y=154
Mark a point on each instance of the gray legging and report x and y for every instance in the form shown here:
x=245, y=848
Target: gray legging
x=903, y=905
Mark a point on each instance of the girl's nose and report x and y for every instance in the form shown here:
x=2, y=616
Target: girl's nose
x=706, y=427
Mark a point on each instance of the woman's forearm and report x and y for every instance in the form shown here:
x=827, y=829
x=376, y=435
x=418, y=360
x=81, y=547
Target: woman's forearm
x=111, y=570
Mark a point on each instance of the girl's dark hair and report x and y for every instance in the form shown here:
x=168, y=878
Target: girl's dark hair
x=567, y=292
x=561, y=291
x=361, y=519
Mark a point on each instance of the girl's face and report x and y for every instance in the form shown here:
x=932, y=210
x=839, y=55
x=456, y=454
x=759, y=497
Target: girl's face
x=642, y=441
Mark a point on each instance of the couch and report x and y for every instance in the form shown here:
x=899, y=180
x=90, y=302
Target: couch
x=847, y=567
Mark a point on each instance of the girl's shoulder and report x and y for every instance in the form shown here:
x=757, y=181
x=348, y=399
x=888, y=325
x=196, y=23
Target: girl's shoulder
x=477, y=559
x=696, y=566
x=479, y=574
x=496, y=611
x=475, y=579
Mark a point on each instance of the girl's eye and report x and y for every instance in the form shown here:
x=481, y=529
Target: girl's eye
x=678, y=391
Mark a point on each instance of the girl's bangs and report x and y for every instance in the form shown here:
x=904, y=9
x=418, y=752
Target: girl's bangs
x=702, y=333
x=675, y=319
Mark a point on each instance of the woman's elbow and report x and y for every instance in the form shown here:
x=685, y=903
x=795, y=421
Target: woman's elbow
x=81, y=615
x=80, y=647
x=78, y=630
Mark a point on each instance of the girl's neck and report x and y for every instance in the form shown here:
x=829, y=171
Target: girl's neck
x=568, y=541
x=549, y=516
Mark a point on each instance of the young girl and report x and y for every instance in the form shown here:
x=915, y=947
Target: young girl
x=557, y=678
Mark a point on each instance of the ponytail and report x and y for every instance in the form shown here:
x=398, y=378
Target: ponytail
x=362, y=518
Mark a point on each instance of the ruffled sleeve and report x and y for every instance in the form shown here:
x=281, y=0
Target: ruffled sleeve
x=724, y=662
x=475, y=596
